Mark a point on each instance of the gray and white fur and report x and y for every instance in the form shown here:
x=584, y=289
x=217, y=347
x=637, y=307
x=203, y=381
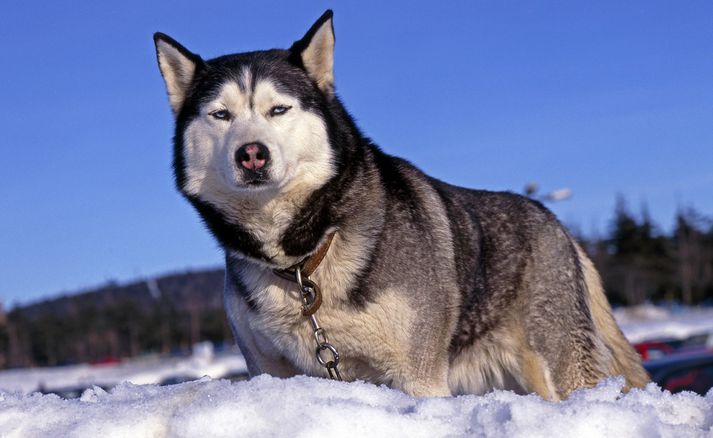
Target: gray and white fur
x=427, y=287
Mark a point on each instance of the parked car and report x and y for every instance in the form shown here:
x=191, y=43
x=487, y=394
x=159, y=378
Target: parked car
x=656, y=349
x=690, y=371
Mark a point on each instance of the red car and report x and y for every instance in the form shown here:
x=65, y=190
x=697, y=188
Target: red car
x=656, y=349
x=683, y=372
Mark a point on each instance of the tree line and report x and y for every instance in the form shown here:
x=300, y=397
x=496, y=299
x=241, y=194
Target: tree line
x=163, y=316
x=637, y=261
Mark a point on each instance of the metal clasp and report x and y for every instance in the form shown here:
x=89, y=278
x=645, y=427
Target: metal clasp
x=311, y=294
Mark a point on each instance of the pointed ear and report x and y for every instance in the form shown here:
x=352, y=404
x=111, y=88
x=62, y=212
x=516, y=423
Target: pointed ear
x=178, y=68
x=315, y=52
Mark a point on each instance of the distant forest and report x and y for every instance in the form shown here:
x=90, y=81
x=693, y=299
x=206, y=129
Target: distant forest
x=166, y=316
x=638, y=262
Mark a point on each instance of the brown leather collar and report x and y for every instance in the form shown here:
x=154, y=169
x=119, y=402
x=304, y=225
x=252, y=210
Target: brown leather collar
x=309, y=265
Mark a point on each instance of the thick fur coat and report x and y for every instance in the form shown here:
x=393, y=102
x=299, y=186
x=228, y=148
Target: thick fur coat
x=427, y=287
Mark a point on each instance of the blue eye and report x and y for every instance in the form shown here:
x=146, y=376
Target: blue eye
x=221, y=114
x=279, y=110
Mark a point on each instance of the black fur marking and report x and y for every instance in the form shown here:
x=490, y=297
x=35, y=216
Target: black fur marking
x=239, y=287
x=326, y=207
x=362, y=292
x=396, y=185
x=401, y=204
x=470, y=270
x=491, y=254
x=230, y=235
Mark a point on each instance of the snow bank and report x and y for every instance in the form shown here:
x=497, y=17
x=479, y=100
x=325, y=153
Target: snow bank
x=647, y=322
x=306, y=407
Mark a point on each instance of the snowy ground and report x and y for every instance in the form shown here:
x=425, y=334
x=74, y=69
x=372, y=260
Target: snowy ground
x=308, y=407
x=302, y=406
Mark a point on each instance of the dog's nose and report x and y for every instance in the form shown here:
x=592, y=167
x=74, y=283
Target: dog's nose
x=252, y=156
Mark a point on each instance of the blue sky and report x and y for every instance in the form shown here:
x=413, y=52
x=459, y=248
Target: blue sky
x=603, y=97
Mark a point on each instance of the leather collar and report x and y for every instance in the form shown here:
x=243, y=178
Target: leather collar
x=310, y=264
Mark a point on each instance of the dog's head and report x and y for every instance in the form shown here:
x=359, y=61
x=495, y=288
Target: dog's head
x=251, y=123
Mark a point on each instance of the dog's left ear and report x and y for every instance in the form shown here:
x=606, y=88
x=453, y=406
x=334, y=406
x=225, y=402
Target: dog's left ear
x=315, y=53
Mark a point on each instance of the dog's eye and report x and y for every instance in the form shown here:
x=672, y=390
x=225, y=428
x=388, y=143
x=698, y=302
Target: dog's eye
x=221, y=114
x=279, y=110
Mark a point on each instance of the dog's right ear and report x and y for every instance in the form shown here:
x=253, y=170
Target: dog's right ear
x=178, y=68
x=315, y=53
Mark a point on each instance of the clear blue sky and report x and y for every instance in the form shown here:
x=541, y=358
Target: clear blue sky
x=603, y=97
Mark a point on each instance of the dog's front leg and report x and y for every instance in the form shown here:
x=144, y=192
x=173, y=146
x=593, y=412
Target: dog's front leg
x=261, y=357
x=259, y=353
x=425, y=379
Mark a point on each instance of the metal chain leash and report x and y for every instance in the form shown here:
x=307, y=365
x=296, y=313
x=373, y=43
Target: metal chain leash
x=311, y=300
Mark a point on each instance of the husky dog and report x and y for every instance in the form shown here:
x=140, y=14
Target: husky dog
x=426, y=287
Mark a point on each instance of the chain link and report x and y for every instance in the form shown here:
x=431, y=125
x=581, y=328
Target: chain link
x=311, y=300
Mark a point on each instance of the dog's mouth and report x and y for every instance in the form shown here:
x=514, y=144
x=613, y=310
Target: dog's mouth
x=256, y=182
x=256, y=179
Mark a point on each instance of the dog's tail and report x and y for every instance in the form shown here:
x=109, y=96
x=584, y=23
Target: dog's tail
x=625, y=361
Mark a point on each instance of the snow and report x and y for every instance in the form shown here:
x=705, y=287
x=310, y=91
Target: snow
x=305, y=407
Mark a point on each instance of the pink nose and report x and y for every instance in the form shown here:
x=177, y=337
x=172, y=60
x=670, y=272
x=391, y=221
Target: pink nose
x=252, y=156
